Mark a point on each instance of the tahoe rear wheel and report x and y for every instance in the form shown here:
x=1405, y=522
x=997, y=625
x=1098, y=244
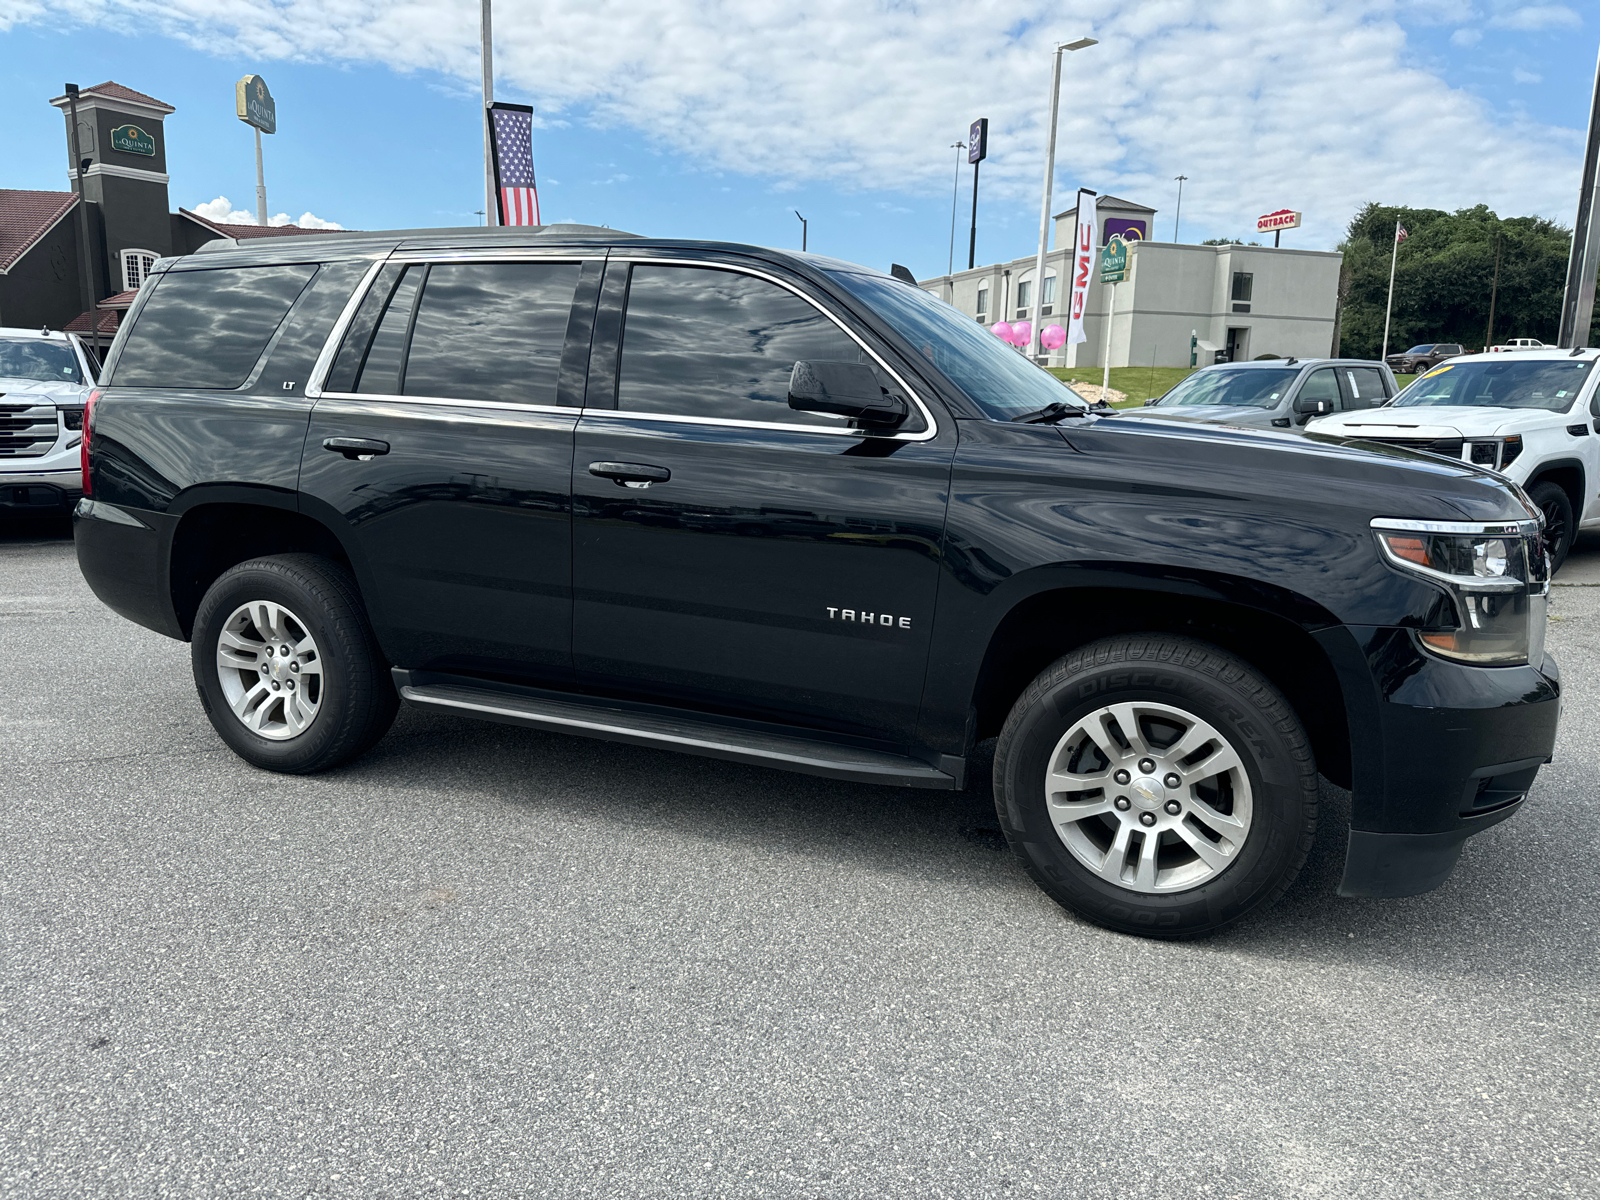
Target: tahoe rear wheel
x=287, y=666
x=1559, y=527
x=1156, y=785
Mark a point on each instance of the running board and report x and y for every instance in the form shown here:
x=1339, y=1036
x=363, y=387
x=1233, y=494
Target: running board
x=688, y=732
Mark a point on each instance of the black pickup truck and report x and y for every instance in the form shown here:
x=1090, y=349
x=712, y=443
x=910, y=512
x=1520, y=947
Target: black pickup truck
x=787, y=510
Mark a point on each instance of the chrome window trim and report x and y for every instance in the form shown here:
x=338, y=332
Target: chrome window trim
x=324, y=363
x=926, y=435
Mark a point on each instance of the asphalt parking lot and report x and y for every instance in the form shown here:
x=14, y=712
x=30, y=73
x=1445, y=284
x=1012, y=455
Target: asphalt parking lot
x=491, y=962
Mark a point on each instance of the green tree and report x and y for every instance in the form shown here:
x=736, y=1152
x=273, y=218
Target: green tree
x=1444, y=277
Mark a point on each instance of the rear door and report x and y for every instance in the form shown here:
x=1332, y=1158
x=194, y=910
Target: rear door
x=441, y=448
x=761, y=561
x=1363, y=387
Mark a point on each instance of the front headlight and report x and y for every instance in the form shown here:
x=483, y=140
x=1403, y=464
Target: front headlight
x=1496, y=575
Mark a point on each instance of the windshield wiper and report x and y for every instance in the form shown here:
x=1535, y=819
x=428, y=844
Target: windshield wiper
x=1050, y=413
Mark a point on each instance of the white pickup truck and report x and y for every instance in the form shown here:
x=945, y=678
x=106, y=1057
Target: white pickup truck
x=1519, y=344
x=1533, y=418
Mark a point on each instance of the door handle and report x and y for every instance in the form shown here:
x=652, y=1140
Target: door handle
x=634, y=475
x=356, y=448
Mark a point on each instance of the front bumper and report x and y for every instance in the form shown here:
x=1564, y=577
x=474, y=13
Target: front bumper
x=41, y=492
x=1440, y=751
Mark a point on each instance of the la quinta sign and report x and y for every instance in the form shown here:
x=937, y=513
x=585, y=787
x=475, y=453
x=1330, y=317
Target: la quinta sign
x=130, y=139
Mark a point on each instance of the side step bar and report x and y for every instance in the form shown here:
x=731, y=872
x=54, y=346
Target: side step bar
x=673, y=729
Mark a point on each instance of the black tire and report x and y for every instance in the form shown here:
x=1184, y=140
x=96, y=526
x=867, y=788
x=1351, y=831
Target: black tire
x=1559, y=527
x=356, y=700
x=1210, y=686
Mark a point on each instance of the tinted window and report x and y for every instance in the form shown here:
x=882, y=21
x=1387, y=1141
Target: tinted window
x=29, y=358
x=1420, y=350
x=997, y=378
x=1243, y=284
x=1321, y=385
x=491, y=331
x=353, y=351
x=706, y=343
x=1366, y=386
x=207, y=329
x=380, y=366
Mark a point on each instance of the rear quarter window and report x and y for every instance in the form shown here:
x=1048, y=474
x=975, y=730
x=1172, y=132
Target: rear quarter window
x=208, y=329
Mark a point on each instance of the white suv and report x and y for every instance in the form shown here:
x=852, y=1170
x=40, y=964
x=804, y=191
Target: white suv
x=1532, y=416
x=44, y=380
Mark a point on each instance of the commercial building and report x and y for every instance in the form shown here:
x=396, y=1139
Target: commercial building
x=1239, y=302
x=122, y=138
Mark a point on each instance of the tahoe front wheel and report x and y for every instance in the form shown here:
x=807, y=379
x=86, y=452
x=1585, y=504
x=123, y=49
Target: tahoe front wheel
x=287, y=666
x=1156, y=785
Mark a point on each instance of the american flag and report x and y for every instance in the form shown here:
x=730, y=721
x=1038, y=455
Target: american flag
x=513, y=164
x=1400, y=233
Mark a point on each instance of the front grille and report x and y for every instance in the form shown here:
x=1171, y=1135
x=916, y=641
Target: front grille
x=27, y=430
x=1448, y=447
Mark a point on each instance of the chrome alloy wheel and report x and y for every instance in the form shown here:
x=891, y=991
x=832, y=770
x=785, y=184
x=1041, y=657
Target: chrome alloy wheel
x=1148, y=797
x=270, y=669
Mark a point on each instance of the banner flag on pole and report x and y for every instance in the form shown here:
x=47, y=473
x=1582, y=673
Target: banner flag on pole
x=512, y=127
x=1083, y=260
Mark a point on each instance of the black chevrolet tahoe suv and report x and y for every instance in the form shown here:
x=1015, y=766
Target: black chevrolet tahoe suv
x=786, y=510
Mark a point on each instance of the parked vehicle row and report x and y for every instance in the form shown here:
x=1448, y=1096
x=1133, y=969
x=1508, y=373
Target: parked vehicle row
x=1423, y=357
x=1275, y=393
x=45, y=379
x=786, y=510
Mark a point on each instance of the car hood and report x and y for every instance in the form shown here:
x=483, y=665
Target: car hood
x=1428, y=421
x=39, y=390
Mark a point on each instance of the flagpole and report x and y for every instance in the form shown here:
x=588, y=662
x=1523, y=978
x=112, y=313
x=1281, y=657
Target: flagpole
x=491, y=209
x=1394, y=253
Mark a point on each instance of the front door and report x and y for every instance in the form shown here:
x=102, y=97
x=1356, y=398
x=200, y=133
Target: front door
x=441, y=448
x=757, y=561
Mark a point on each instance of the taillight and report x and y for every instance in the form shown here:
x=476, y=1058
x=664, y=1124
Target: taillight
x=83, y=448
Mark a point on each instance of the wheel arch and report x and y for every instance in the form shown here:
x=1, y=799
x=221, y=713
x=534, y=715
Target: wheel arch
x=1269, y=628
x=222, y=527
x=1569, y=475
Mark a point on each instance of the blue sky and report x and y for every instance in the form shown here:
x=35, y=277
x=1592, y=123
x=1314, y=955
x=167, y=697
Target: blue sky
x=719, y=121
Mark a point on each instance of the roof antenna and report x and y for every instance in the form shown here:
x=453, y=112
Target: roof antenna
x=1292, y=361
x=1577, y=351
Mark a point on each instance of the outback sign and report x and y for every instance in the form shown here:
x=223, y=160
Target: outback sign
x=1284, y=218
x=130, y=139
x=254, y=104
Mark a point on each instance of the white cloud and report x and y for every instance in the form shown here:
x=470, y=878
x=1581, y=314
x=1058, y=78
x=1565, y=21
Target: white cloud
x=222, y=211
x=1310, y=104
x=1537, y=16
x=1466, y=38
x=1519, y=75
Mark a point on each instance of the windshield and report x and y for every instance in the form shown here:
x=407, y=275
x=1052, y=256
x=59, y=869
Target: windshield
x=1541, y=383
x=31, y=359
x=1420, y=350
x=1242, y=387
x=1000, y=381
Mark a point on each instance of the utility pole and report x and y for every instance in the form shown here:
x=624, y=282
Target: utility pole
x=1034, y=345
x=1179, y=211
x=82, y=164
x=803, y=228
x=955, y=193
x=1494, y=290
x=491, y=207
x=1577, y=304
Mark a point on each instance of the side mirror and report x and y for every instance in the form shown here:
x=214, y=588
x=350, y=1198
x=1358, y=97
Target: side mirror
x=1150, y=401
x=1308, y=406
x=844, y=389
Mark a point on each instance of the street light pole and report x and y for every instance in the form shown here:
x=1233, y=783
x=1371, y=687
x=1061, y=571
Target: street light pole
x=1577, y=305
x=1034, y=345
x=955, y=192
x=491, y=208
x=803, y=228
x=1179, y=212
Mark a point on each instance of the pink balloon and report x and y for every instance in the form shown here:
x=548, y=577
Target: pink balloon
x=1053, y=337
x=1001, y=330
x=1021, y=333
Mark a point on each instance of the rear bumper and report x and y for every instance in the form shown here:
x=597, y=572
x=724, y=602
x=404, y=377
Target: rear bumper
x=1442, y=752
